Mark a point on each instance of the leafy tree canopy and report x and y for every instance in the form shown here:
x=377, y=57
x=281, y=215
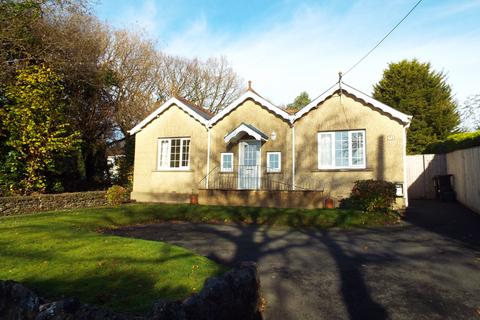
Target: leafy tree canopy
x=37, y=133
x=412, y=87
x=111, y=79
x=300, y=101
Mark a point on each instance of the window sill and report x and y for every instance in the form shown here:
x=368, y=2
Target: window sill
x=173, y=170
x=273, y=172
x=343, y=170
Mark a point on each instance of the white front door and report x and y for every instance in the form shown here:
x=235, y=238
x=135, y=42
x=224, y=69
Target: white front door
x=249, y=164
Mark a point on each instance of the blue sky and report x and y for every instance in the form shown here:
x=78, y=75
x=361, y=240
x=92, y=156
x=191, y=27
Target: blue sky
x=289, y=46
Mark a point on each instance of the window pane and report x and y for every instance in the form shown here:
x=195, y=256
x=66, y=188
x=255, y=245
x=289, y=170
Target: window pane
x=163, y=151
x=227, y=162
x=273, y=161
x=250, y=154
x=185, y=152
x=325, y=147
x=358, y=146
x=175, y=153
x=341, y=149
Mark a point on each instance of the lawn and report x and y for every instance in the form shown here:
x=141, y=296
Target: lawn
x=64, y=254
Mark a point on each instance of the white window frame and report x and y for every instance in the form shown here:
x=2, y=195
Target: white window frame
x=350, y=164
x=169, y=140
x=222, y=167
x=273, y=170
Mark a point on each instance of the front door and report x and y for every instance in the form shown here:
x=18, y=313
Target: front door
x=249, y=165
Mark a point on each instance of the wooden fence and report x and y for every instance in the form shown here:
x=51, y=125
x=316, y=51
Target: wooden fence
x=420, y=172
x=463, y=164
x=465, y=167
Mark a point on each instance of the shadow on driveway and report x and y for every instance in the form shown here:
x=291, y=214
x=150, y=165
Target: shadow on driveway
x=413, y=271
x=448, y=219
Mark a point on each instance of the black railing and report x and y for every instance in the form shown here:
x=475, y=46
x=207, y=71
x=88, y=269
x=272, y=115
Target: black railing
x=252, y=178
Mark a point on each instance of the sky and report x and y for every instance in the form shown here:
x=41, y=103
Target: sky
x=286, y=46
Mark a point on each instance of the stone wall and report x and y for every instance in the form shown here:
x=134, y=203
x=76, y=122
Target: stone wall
x=234, y=296
x=46, y=202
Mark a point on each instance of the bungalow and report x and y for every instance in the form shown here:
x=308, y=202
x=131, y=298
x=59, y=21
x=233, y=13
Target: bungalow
x=255, y=153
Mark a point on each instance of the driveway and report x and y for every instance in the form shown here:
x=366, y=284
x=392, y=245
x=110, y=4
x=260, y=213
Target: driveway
x=426, y=268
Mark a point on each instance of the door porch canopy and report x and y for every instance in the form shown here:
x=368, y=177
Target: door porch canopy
x=244, y=130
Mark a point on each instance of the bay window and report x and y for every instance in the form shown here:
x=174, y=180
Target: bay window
x=341, y=150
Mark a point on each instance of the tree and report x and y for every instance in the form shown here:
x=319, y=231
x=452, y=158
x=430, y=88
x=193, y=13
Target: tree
x=111, y=79
x=414, y=88
x=65, y=36
x=212, y=83
x=134, y=63
x=37, y=133
x=300, y=101
x=470, y=113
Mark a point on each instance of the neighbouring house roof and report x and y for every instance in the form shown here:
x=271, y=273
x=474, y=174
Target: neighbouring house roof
x=116, y=148
x=347, y=89
x=198, y=113
x=242, y=130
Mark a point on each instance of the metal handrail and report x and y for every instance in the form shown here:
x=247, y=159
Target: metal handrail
x=256, y=179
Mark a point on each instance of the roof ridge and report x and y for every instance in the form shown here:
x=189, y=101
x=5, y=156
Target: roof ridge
x=402, y=117
x=193, y=105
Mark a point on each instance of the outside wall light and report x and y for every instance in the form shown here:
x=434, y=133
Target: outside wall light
x=274, y=135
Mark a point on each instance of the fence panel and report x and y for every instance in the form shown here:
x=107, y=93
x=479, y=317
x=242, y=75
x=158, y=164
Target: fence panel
x=465, y=167
x=420, y=172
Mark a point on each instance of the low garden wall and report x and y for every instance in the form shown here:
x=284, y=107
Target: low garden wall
x=234, y=295
x=263, y=198
x=46, y=202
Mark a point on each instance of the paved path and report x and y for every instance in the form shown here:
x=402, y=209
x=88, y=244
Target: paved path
x=428, y=268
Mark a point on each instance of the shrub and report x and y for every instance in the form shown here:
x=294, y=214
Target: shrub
x=371, y=196
x=454, y=142
x=117, y=195
x=57, y=187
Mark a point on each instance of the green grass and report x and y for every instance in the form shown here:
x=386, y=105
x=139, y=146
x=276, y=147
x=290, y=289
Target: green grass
x=64, y=254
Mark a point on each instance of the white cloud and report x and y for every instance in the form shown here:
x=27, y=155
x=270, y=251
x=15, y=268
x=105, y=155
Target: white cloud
x=307, y=51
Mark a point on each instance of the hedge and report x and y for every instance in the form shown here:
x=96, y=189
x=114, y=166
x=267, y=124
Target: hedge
x=454, y=142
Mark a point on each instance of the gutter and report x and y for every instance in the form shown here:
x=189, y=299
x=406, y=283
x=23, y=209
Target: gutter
x=208, y=157
x=293, y=157
x=405, y=184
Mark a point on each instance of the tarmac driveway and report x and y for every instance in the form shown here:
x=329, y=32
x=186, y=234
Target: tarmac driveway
x=427, y=268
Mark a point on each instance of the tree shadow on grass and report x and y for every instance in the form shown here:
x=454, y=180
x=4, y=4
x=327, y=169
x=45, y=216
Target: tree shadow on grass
x=64, y=265
x=131, y=292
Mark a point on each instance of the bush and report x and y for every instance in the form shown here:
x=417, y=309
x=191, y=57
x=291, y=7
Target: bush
x=371, y=196
x=117, y=195
x=454, y=142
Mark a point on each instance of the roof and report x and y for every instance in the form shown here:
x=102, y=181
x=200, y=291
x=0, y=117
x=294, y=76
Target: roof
x=208, y=119
x=204, y=112
x=345, y=88
x=243, y=128
x=116, y=148
x=250, y=94
x=198, y=113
